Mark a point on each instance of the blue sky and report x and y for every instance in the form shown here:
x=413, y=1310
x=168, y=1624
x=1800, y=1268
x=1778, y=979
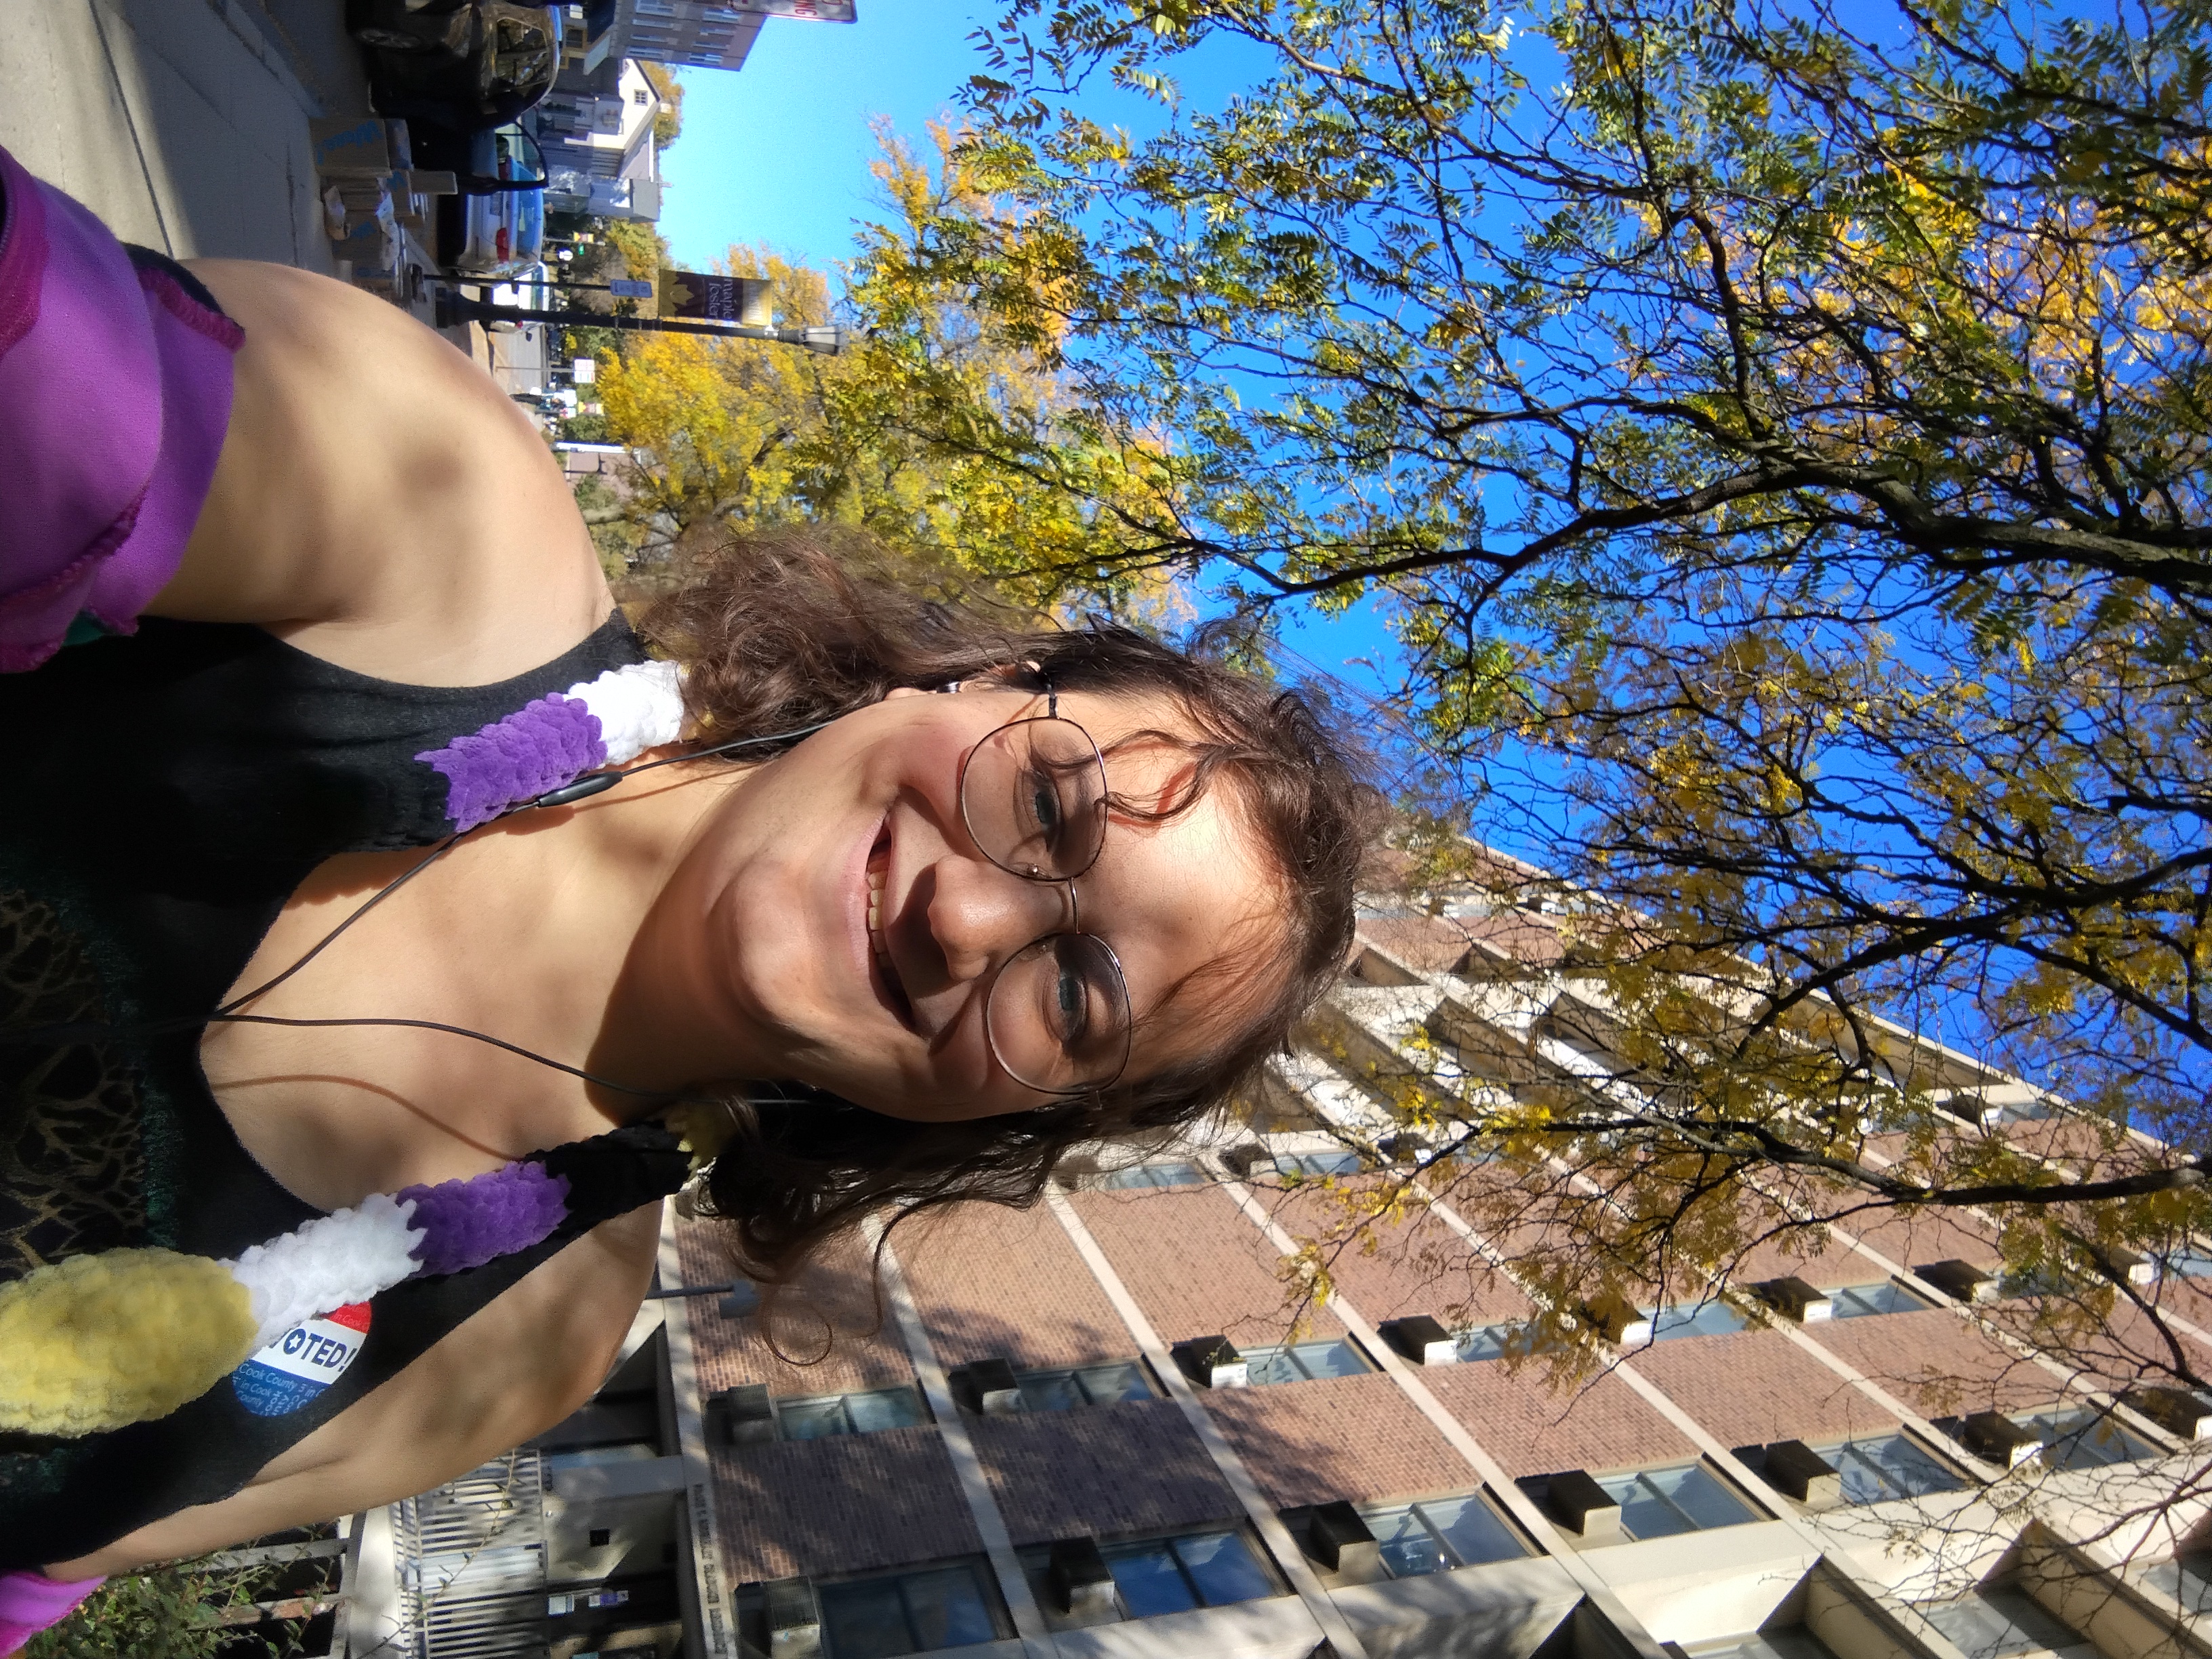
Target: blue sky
x=779, y=153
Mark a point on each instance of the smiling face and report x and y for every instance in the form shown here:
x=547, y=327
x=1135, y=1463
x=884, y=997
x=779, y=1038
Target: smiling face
x=845, y=929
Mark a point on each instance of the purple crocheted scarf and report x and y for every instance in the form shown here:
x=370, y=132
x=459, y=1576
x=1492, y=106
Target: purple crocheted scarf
x=540, y=747
x=468, y=1222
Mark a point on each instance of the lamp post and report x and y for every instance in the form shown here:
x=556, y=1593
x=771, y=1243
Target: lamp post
x=453, y=308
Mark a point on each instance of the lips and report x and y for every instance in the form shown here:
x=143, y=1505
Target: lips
x=882, y=971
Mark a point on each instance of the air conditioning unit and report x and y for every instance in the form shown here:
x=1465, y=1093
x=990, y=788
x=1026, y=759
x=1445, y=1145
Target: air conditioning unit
x=1794, y=1467
x=743, y=1414
x=1619, y=1321
x=1583, y=1507
x=1793, y=1298
x=1997, y=1437
x=1421, y=1338
x=986, y=1388
x=1337, y=1538
x=1078, y=1577
x=2185, y=1415
x=1212, y=1362
x=1962, y=1281
x=794, y=1620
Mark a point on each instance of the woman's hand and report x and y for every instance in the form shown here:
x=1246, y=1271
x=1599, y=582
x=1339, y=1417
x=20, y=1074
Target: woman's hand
x=380, y=502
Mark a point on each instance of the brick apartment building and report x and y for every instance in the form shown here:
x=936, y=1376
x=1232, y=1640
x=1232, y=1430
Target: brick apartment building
x=1106, y=1428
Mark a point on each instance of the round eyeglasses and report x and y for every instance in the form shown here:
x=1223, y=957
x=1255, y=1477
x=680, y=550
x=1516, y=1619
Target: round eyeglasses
x=1033, y=796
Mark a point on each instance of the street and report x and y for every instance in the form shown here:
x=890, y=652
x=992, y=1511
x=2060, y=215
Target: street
x=182, y=122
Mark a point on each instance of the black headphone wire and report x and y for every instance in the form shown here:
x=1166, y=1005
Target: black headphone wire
x=591, y=783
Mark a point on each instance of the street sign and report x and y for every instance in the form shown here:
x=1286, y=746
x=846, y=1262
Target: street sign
x=624, y=287
x=718, y=298
x=819, y=11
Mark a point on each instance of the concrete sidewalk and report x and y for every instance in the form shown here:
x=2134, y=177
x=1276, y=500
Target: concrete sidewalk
x=182, y=122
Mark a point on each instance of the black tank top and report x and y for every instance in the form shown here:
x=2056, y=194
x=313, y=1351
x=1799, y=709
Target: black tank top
x=162, y=796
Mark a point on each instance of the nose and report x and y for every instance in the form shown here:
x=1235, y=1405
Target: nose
x=979, y=915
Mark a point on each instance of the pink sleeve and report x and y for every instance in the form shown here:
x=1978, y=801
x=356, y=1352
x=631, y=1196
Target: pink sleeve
x=31, y=1602
x=115, y=388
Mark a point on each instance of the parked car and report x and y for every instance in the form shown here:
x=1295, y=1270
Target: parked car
x=466, y=66
x=530, y=290
x=495, y=227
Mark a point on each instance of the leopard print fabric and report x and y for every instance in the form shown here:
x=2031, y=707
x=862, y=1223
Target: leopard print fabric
x=72, y=1163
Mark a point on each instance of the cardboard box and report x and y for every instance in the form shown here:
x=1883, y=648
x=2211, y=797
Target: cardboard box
x=357, y=193
x=359, y=145
x=362, y=144
x=371, y=244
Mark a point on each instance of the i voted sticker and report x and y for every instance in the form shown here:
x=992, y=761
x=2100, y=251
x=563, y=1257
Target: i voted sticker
x=303, y=1362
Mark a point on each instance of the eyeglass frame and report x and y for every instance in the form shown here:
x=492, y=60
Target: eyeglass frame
x=1074, y=910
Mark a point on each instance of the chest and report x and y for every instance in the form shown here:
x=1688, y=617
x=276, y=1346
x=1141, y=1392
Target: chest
x=363, y=1066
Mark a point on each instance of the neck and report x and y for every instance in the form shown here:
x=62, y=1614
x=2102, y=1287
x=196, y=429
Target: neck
x=657, y=1030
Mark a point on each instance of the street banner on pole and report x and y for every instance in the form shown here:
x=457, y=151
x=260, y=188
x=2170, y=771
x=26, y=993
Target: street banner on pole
x=718, y=298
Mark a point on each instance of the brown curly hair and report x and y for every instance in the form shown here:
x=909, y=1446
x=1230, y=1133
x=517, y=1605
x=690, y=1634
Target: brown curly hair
x=790, y=627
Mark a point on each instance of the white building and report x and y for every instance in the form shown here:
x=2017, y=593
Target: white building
x=596, y=135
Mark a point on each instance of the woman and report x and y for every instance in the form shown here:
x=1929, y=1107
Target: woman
x=962, y=896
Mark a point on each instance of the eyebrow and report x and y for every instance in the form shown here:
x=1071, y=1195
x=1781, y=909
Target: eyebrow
x=1216, y=964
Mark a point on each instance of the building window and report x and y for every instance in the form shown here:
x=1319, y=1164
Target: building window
x=901, y=1613
x=1151, y=1175
x=1663, y=1503
x=2083, y=1438
x=559, y=1463
x=1997, y=1622
x=1160, y=1574
x=1795, y=1642
x=2187, y=1579
x=1489, y=1342
x=2191, y=1263
x=1304, y=1362
x=1174, y=1575
x=1439, y=1533
x=559, y=1606
x=863, y=1412
x=1702, y=1319
x=1315, y=1166
x=1888, y=1297
x=1886, y=1466
x=1064, y=1389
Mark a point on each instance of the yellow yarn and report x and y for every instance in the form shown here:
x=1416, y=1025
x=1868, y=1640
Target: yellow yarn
x=703, y=1127
x=97, y=1341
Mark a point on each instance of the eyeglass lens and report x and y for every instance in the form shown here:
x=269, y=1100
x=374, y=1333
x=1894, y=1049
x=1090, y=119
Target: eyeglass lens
x=1033, y=794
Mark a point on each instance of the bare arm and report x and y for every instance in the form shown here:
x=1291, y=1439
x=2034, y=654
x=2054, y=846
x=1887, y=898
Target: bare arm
x=380, y=502
x=513, y=1370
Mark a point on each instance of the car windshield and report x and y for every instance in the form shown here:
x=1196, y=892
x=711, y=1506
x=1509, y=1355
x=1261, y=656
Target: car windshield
x=518, y=158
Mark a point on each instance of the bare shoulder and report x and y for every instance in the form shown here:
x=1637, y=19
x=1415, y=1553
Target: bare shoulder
x=513, y=1370
x=380, y=501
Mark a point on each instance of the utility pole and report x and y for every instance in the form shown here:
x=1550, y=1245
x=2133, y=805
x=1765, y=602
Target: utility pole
x=454, y=308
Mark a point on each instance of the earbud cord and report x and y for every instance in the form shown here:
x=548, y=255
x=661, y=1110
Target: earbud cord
x=591, y=784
